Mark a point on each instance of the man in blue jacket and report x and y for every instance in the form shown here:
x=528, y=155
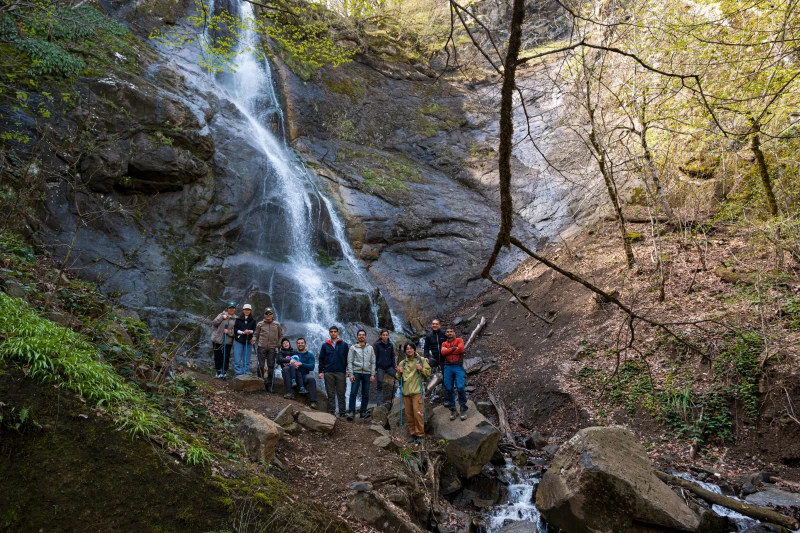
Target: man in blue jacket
x=333, y=369
x=305, y=367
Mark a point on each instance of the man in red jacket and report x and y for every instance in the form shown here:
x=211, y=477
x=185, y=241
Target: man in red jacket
x=452, y=357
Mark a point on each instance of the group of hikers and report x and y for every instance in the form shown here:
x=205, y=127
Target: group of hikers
x=361, y=363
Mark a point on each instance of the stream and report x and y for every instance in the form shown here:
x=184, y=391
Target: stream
x=521, y=487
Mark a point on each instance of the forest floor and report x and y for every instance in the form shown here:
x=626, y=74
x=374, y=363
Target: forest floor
x=730, y=377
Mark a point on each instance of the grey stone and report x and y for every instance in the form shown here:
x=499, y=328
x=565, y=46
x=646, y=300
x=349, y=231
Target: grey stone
x=379, y=430
x=292, y=428
x=62, y=319
x=535, y=441
x=485, y=488
x=315, y=421
x=399, y=497
x=379, y=513
x=601, y=481
x=498, y=459
x=470, y=443
x=450, y=483
x=380, y=416
x=550, y=450
x=385, y=443
x=15, y=289
x=287, y=415
x=259, y=435
x=361, y=486
x=247, y=383
x=487, y=409
x=773, y=496
x=523, y=526
x=518, y=458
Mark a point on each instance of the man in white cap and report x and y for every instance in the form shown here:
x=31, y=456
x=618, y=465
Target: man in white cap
x=243, y=334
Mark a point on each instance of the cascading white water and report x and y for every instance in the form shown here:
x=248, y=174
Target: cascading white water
x=288, y=184
x=520, y=505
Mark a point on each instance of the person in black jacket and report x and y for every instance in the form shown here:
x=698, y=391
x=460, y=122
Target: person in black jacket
x=333, y=369
x=243, y=335
x=433, y=344
x=385, y=361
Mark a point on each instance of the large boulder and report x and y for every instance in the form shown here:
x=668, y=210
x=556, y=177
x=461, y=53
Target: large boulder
x=247, y=383
x=470, y=442
x=259, y=435
x=601, y=481
x=315, y=421
x=379, y=513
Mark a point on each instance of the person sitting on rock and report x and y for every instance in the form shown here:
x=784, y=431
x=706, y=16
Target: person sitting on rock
x=333, y=368
x=267, y=338
x=453, y=358
x=413, y=369
x=305, y=372
x=243, y=328
x=288, y=370
x=385, y=361
x=222, y=339
x=361, y=371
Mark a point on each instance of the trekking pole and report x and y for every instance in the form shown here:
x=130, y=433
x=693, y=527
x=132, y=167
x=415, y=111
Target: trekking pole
x=224, y=354
x=401, y=401
x=422, y=394
x=246, y=361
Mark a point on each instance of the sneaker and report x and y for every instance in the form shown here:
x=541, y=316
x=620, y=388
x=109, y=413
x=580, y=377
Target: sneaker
x=420, y=440
x=412, y=440
x=313, y=405
x=350, y=417
x=303, y=390
x=366, y=415
x=342, y=414
x=289, y=396
x=453, y=413
x=218, y=374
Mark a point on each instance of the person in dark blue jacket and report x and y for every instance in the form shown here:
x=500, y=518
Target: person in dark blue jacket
x=385, y=361
x=304, y=368
x=333, y=369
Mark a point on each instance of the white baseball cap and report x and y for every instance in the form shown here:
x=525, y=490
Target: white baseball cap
x=247, y=306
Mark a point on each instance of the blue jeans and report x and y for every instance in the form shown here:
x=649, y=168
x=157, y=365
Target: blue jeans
x=241, y=354
x=455, y=373
x=362, y=381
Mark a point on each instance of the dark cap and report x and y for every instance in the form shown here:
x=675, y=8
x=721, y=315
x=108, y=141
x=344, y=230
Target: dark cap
x=269, y=311
x=231, y=304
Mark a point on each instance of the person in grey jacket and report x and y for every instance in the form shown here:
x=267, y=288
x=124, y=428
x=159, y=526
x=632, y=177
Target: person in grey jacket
x=222, y=339
x=361, y=372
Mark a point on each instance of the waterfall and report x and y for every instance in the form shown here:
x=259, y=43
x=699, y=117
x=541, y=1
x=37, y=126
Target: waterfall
x=288, y=221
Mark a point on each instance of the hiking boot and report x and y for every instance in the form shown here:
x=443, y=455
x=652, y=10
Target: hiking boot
x=350, y=416
x=313, y=405
x=342, y=414
x=453, y=413
x=420, y=440
x=289, y=396
x=366, y=415
x=463, y=412
x=412, y=440
x=303, y=390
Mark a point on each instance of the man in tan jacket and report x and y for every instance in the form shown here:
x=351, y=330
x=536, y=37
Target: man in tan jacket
x=267, y=338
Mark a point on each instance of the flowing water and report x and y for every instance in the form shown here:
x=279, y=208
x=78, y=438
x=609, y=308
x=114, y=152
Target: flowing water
x=289, y=221
x=521, y=486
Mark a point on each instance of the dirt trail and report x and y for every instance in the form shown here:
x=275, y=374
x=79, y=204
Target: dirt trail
x=318, y=466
